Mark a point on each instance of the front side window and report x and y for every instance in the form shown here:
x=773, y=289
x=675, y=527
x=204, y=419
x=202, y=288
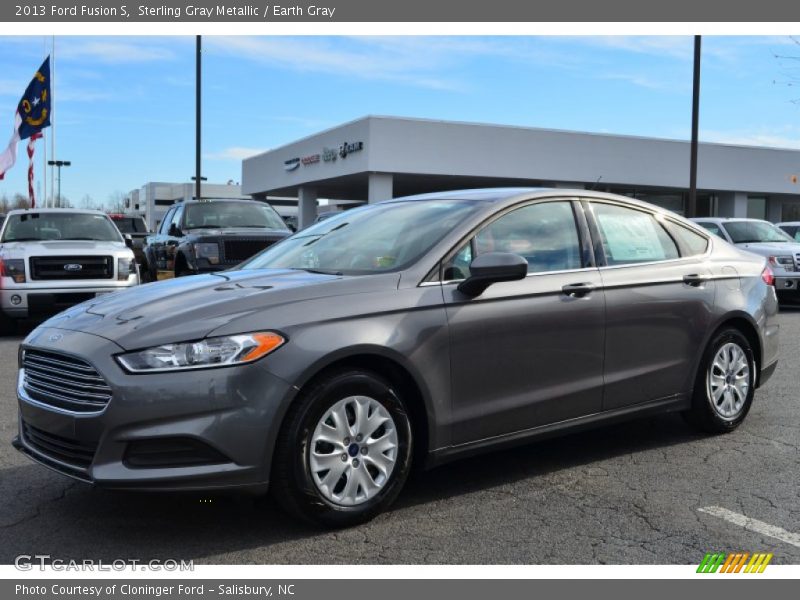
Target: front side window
x=166, y=222
x=544, y=234
x=35, y=226
x=632, y=236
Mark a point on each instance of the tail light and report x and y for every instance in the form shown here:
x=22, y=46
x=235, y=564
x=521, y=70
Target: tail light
x=768, y=276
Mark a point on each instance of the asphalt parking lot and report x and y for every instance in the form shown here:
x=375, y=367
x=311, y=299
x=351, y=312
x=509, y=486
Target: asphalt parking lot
x=631, y=493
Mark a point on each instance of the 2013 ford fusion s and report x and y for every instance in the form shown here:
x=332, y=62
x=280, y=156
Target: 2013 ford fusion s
x=418, y=330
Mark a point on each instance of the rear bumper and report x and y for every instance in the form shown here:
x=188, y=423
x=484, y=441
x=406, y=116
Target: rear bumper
x=787, y=284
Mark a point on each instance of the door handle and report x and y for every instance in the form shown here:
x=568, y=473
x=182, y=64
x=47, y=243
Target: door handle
x=577, y=290
x=695, y=279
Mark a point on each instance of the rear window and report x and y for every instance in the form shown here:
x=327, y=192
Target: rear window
x=130, y=224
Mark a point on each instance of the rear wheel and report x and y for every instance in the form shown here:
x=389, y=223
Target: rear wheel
x=725, y=383
x=344, y=451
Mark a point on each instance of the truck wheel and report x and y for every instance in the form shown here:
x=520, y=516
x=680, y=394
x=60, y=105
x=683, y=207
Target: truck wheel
x=344, y=451
x=8, y=326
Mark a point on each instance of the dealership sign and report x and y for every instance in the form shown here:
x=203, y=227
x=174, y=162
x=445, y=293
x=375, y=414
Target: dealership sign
x=327, y=155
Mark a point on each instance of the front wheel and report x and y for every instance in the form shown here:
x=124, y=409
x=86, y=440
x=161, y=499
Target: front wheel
x=344, y=451
x=725, y=383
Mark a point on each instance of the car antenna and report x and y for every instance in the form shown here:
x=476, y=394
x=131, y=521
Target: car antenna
x=594, y=185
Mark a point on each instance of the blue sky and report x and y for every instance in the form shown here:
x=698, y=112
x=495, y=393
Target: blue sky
x=124, y=106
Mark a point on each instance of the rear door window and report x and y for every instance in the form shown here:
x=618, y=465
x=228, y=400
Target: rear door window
x=632, y=236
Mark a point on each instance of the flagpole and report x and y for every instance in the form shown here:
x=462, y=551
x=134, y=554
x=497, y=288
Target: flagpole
x=56, y=201
x=43, y=178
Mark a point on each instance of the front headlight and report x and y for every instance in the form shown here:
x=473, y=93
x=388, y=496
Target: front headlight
x=14, y=268
x=212, y=352
x=125, y=268
x=783, y=262
x=209, y=251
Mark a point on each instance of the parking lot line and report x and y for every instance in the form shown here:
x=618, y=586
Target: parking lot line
x=753, y=524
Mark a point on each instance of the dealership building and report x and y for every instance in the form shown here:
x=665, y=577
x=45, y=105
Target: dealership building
x=377, y=158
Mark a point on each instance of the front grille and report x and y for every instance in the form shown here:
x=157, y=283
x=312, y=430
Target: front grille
x=235, y=251
x=71, y=452
x=64, y=382
x=65, y=268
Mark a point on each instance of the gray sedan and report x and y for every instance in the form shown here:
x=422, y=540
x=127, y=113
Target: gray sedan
x=413, y=331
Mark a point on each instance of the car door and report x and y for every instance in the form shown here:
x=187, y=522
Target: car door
x=170, y=237
x=659, y=302
x=530, y=352
x=156, y=255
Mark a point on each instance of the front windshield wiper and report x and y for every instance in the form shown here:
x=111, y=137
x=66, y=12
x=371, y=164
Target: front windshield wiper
x=317, y=271
x=81, y=239
x=24, y=239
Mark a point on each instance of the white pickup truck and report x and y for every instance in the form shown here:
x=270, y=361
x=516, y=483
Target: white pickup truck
x=54, y=258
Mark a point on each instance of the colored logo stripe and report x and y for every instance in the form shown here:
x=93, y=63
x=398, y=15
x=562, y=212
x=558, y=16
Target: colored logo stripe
x=734, y=562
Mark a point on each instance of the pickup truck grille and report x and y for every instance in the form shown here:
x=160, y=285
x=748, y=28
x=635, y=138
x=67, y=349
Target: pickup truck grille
x=64, y=382
x=65, y=268
x=235, y=251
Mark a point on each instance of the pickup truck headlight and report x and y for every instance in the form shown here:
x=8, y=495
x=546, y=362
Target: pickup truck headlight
x=209, y=251
x=211, y=352
x=782, y=262
x=125, y=268
x=14, y=268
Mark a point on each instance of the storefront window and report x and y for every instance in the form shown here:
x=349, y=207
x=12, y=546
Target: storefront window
x=756, y=207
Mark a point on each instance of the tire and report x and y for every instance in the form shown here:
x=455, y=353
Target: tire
x=7, y=325
x=300, y=480
x=728, y=373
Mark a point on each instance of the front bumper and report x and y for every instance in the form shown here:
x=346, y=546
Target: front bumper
x=787, y=284
x=232, y=414
x=23, y=302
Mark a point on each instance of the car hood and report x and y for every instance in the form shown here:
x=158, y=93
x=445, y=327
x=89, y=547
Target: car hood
x=61, y=247
x=770, y=248
x=189, y=308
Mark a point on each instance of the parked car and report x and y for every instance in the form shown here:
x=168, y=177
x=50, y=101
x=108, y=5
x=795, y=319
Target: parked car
x=134, y=227
x=211, y=235
x=765, y=239
x=416, y=330
x=791, y=228
x=52, y=259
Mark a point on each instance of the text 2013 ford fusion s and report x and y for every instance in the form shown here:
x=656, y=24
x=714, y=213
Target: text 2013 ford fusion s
x=415, y=330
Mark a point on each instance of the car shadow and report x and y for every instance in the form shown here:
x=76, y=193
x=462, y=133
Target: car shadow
x=45, y=513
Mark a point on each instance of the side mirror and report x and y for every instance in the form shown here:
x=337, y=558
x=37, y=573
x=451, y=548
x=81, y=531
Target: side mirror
x=128, y=240
x=174, y=231
x=493, y=267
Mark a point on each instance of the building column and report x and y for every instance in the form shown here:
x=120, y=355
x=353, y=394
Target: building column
x=306, y=206
x=380, y=187
x=732, y=204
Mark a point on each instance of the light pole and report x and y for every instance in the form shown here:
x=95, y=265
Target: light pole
x=58, y=164
x=691, y=209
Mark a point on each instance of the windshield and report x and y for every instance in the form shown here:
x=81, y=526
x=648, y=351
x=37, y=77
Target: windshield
x=371, y=239
x=130, y=224
x=34, y=226
x=213, y=215
x=744, y=232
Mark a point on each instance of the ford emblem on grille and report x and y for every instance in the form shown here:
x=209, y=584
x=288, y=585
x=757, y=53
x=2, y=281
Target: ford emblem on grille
x=73, y=267
x=55, y=337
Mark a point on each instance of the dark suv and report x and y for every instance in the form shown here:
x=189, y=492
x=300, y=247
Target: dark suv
x=210, y=235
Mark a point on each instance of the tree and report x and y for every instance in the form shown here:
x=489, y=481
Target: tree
x=5, y=204
x=21, y=201
x=88, y=203
x=116, y=202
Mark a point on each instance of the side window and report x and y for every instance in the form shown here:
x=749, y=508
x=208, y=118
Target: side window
x=165, y=223
x=632, y=236
x=689, y=240
x=712, y=227
x=176, y=218
x=544, y=234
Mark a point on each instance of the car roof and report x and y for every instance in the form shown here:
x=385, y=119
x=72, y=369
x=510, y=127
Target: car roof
x=74, y=211
x=221, y=200
x=788, y=223
x=515, y=194
x=729, y=220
